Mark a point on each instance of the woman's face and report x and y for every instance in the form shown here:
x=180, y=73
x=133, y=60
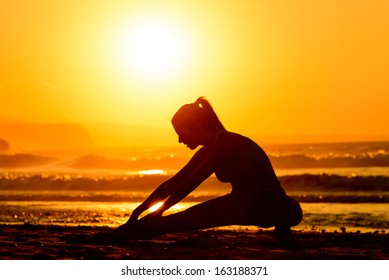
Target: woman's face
x=192, y=137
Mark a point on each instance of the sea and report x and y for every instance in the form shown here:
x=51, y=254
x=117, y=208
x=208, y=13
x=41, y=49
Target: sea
x=342, y=187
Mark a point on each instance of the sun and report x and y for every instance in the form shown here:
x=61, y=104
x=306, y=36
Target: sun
x=152, y=49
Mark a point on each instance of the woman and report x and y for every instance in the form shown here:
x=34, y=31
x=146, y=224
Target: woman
x=257, y=197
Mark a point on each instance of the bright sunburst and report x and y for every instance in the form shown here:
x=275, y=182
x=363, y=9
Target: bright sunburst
x=152, y=49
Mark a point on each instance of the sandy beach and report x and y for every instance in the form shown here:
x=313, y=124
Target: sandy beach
x=36, y=242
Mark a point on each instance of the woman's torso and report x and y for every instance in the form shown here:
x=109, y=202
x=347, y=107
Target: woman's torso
x=247, y=167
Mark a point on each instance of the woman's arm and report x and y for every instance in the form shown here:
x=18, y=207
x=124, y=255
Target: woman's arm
x=168, y=187
x=226, y=148
x=162, y=192
x=205, y=169
x=187, y=186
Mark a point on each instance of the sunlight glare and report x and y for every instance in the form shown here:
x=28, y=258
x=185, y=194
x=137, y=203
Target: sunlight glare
x=152, y=172
x=153, y=49
x=174, y=209
x=155, y=207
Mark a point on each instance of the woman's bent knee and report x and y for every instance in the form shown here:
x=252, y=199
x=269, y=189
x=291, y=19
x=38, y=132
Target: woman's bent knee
x=294, y=212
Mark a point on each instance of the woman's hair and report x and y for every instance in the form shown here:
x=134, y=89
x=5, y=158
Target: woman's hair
x=199, y=112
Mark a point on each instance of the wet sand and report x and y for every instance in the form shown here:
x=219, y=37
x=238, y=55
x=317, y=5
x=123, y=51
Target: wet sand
x=36, y=242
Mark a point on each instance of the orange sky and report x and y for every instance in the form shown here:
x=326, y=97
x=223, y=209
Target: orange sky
x=289, y=68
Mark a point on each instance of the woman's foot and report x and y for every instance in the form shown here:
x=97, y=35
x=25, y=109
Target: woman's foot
x=284, y=236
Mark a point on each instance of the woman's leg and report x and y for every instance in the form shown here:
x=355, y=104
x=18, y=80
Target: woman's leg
x=263, y=211
x=220, y=211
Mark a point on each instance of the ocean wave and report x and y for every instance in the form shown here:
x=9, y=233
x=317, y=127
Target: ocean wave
x=306, y=188
x=304, y=182
x=170, y=161
x=304, y=161
x=139, y=197
x=278, y=161
x=326, y=182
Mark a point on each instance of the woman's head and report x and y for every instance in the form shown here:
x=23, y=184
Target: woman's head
x=198, y=113
x=194, y=117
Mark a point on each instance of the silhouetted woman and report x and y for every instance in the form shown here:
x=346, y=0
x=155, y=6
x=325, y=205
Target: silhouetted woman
x=257, y=197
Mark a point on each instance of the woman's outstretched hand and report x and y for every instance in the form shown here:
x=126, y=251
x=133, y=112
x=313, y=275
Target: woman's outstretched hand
x=134, y=217
x=123, y=230
x=136, y=213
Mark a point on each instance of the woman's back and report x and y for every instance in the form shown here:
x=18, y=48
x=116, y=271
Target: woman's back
x=246, y=166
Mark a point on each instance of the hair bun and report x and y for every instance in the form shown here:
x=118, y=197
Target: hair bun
x=199, y=102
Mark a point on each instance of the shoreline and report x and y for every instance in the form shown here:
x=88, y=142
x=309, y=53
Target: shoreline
x=52, y=242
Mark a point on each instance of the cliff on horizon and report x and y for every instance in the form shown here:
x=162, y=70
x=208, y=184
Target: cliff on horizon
x=46, y=136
